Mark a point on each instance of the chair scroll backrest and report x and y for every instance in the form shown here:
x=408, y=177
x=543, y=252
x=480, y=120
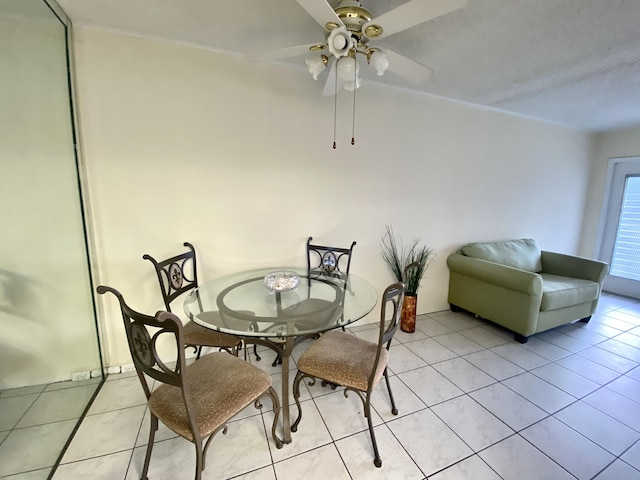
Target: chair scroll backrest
x=390, y=312
x=143, y=333
x=332, y=261
x=176, y=275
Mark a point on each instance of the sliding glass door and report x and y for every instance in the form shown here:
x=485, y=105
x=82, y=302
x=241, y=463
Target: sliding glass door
x=50, y=365
x=620, y=245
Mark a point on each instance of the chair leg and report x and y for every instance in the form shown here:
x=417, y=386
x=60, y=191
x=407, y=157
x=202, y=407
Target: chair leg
x=277, y=361
x=255, y=352
x=199, y=459
x=367, y=412
x=152, y=434
x=199, y=350
x=332, y=385
x=276, y=413
x=394, y=410
x=296, y=397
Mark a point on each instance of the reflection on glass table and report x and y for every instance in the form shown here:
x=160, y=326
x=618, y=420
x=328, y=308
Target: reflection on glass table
x=248, y=305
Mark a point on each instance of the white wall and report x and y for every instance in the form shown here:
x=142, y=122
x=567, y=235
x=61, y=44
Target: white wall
x=183, y=144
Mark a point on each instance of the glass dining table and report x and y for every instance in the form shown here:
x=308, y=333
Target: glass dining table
x=279, y=308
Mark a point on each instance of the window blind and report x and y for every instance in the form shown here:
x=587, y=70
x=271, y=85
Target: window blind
x=626, y=253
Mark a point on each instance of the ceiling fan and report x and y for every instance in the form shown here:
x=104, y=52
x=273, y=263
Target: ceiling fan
x=350, y=35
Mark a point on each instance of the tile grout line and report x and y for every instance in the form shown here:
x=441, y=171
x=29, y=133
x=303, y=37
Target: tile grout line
x=529, y=370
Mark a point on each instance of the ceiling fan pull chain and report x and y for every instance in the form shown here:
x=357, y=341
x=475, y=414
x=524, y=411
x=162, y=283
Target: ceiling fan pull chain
x=353, y=115
x=335, y=108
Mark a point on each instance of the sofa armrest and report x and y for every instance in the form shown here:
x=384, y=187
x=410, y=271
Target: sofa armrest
x=522, y=281
x=573, y=266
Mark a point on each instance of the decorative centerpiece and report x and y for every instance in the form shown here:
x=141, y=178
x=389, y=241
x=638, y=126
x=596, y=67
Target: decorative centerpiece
x=281, y=281
x=408, y=266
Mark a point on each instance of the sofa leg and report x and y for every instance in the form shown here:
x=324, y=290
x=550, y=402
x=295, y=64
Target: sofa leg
x=521, y=338
x=585, y=319
x=454, y=308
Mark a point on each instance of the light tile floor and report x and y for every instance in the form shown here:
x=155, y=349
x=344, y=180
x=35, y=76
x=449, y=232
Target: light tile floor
x=35, y=423
x=473, y=404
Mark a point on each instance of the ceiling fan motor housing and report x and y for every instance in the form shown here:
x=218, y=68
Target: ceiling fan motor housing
x=353, y=15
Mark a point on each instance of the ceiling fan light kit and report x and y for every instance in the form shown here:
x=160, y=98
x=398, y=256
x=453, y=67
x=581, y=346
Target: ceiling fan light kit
x=347, y=41
x=348, y=29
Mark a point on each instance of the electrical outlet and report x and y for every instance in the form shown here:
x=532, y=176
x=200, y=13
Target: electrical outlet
x=76, y=376
x=128, y=368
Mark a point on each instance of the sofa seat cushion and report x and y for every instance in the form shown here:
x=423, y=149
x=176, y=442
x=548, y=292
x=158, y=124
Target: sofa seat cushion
x=524, y=253
x=559, y=292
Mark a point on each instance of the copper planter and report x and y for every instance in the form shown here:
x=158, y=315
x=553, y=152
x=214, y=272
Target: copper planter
x=408, y=317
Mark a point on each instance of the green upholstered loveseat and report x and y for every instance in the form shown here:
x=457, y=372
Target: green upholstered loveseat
x=515, y=284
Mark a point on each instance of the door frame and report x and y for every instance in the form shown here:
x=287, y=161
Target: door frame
x=617, y=169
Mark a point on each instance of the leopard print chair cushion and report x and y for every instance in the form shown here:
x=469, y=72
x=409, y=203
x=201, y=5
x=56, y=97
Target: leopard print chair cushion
x=344, y=359
x=219, y=384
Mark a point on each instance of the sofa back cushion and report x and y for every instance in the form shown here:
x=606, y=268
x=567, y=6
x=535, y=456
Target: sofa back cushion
x=523, y=253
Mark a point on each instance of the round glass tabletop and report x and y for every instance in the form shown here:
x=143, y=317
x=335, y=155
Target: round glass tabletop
x=280, y=302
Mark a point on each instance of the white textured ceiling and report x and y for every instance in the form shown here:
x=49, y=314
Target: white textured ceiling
x=572, y=62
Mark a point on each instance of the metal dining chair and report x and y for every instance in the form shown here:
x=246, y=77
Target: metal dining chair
x=194, y=401
x=176, y=276
x=343, y=359
x=328, y=261
x=324, y=261
x=332, y=262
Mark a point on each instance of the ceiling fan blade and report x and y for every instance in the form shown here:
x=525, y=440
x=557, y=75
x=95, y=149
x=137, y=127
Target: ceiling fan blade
x=280, y=53
x=330, y=85
x=321, y=12
x=408, y=69
x=412, y=13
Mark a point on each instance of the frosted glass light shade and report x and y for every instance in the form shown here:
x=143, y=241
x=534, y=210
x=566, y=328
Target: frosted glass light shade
x=315, y=65
x=351, y=86
x=380, y=62
x=348, y=69
x=349, y=73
